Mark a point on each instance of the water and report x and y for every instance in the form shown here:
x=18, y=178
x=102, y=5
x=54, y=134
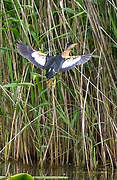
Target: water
x=73, y=173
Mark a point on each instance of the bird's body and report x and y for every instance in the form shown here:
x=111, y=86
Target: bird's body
x=52, y=64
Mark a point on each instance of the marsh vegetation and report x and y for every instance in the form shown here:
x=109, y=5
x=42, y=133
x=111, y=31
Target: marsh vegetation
x=76, y=122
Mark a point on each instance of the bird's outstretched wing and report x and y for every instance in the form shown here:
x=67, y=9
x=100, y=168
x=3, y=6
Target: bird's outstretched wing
x=37, y=58
x=73, y=61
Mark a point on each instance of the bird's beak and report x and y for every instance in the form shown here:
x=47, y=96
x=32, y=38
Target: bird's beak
x=72, y=46
x=75, y=44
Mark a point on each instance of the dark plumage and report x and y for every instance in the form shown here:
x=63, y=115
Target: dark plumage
x=52, y=64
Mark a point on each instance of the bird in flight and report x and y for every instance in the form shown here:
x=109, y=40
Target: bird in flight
x=52, y=64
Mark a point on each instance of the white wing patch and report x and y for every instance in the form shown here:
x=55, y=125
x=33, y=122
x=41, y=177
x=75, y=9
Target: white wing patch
x=40, y=58
x=71, y=62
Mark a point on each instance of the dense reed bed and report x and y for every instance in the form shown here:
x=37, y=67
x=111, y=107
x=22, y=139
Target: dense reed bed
x=76, y=122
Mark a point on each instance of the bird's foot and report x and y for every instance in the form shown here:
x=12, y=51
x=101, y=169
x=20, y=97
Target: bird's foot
x=51, y=82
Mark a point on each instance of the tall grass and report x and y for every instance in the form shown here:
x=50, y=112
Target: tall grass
x=74, y=123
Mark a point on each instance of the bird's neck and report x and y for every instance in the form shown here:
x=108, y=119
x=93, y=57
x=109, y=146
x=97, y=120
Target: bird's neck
x=65, y=54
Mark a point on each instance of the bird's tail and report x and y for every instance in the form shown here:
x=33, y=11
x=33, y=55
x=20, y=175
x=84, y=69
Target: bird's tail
x=50, y=73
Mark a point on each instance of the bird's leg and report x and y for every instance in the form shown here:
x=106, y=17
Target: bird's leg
x=49, y=83
x=54, y=83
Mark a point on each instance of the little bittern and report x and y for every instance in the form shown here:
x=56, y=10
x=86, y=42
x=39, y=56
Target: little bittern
x=52, y=64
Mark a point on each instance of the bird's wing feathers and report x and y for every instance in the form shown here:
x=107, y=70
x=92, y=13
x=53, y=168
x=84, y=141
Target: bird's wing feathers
x=43, y=61
x=73, y=61
x=36, y=57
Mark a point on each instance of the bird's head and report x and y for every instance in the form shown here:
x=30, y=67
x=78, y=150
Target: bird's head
x=71, y=45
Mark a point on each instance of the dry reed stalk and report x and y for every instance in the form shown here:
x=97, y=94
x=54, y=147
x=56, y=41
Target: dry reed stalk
x=79, y=111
